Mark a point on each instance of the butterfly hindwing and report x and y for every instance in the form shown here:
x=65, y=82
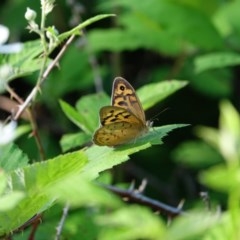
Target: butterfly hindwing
x=117, y=134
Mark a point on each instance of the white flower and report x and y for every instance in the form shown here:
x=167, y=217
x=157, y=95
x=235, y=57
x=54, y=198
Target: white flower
x=4, y=34
x=7, y=132
x=11, y=48
x=8, y=48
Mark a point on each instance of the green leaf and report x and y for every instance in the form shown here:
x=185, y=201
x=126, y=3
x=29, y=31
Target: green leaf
x=197, y=223
x=215, y=83
x=69, y=141
x=68, y=77
x=82, y=193
x=10, y=201
x=86, y=114
x=229, y=138
x=141, y=21
x=76, y=30
x=34, y=181
x=196, y=154
x=102, y=158
x=224, y=229
x=226, y=139
x=24, y=62
x=131, y=222
x=3, y=181
x=89, y=106
x=87, y=117
x=222, y=179
x=74, y=116
x=12, y=157
x=109, y=40
x=156, y=92
x=216, y=60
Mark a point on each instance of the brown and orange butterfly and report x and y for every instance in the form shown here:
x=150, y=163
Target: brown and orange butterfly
x=124, y=121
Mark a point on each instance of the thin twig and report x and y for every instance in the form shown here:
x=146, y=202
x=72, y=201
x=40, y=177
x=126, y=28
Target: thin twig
x=34, y=91
x=59, y=228
x=34, y=221
x=135, y=197
x=30, y=116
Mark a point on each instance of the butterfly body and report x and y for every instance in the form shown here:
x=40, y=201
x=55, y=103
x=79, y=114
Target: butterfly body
x=124, y=121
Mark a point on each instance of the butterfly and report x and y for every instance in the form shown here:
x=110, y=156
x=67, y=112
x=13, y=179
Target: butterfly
x=125, y=120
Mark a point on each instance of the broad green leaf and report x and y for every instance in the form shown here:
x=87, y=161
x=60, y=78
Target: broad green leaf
x=24, y=62
x=85, y=116
x=34, y=181
x=69, y=141
x=74, y=116
x=89, y=106
x=216, y=60
x=229, y=138
x=131, y=222
x=102, y=158
x=3, y=181
x=44, y=173
x=81, y=193
x=222, y=179
x=226, y=228
x=10, y=200
x=229, y=118
x=197, y=223
x=142, y=20
x=196, y=154
x=208, y=134
x=226, y=139
x=11, y=157
x=153, y=93
x=109, y=40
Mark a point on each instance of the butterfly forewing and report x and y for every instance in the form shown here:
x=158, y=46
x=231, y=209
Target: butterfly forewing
x=112, y=114
x=124, y=96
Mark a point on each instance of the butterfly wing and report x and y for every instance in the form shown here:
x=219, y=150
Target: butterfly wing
x=113, y=114
x=117, y=134
x=118, y=127
x=124, y=96
x=124, y=121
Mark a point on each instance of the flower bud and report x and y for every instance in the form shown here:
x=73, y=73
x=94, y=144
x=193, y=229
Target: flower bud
x=30, y=15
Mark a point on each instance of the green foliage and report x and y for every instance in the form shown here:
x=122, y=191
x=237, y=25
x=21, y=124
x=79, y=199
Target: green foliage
x=151, y=41
x=197, y=154
x=25, y=61
x=216, y=60
x=223, y=177
x=142, y=21
x=12, y=158
x=122, y=224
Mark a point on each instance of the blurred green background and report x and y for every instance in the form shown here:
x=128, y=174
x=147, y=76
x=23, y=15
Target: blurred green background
x=148, y=41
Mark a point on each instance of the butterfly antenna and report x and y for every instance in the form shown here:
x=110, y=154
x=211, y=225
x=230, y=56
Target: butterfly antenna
x=155, y=117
